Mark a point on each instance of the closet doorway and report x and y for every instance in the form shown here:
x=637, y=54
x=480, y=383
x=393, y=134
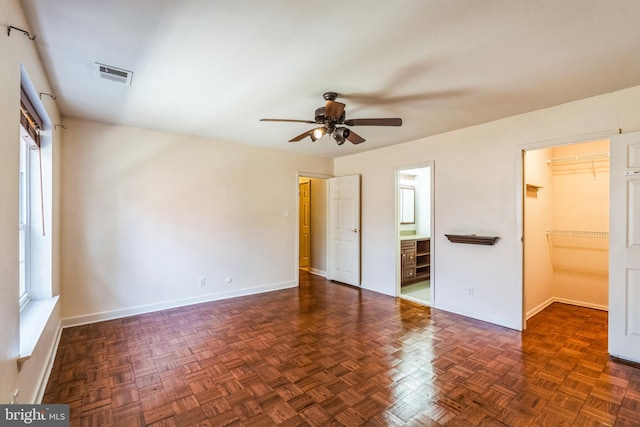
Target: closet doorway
x=566, y=226
x=414, y=226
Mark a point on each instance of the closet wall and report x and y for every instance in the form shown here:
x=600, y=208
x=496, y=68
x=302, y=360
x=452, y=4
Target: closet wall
x=319, y=209
x=538, y=214
x=566, y=226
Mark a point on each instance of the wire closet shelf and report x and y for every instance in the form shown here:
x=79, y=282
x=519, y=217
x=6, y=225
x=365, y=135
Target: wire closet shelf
x=574, y=250
x=586, y=163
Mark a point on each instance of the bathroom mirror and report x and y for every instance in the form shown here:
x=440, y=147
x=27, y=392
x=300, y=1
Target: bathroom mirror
x=407, y=205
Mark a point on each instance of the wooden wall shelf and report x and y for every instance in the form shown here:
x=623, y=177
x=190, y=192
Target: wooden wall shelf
x=472, y=239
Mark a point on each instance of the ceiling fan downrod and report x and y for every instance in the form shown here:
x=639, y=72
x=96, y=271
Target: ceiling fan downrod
x=330, y=96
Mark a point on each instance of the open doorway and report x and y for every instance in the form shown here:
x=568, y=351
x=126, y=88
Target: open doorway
x=312, y=223
x=566, y=226
x=304, y=223
x=414, y=213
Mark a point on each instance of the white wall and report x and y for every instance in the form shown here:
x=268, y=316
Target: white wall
x=18, y=50
x=477, y=190
x=146, y=214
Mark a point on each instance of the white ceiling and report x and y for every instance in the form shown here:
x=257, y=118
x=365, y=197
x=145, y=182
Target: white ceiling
x=213, y=68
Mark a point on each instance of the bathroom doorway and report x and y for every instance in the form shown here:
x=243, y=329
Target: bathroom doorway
x=414, y=225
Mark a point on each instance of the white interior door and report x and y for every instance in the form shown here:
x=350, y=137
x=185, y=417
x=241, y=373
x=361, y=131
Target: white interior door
x=624, y=248
x=344, y=226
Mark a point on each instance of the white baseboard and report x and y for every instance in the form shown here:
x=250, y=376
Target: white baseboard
x=485, y=317
x=551, y=300
x=539, y=308
x=582, y=304
x=148, y=308
x=318, y=272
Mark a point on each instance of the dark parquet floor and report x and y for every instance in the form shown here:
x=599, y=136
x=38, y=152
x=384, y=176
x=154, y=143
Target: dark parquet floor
x=325, y=354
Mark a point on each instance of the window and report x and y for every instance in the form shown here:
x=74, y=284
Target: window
x=23, y=222
x=30, y=126
x=37, y=302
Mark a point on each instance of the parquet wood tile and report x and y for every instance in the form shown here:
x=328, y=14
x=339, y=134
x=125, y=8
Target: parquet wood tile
x=325, y=354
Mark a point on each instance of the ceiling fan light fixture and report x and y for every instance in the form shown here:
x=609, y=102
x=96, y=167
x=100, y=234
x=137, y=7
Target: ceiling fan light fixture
x=341, y=134
x=317, y=133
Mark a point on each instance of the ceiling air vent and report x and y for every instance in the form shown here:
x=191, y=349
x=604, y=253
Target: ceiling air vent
x=114, y=74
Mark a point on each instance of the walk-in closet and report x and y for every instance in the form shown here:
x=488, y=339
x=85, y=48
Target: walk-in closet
x=566, y=226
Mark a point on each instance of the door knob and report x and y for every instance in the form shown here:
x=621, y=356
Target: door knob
x=355, y=230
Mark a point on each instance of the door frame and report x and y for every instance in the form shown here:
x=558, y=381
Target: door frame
x=431, y=165
x=520, y=199
x=297, y=219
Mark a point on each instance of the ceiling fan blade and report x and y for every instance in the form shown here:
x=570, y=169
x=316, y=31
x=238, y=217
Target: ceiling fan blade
x=354, y=138
x=374, y=122
x=333, y=109
x=287, y=120
x=302, y=136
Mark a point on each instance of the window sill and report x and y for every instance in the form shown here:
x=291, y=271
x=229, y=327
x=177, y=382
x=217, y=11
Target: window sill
x=33, y=321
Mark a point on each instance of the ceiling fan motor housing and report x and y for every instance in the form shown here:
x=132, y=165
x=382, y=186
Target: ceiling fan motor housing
x=321, y=118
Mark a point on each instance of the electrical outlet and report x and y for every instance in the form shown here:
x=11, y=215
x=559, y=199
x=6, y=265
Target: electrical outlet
x=202, y=281
x=470, y=291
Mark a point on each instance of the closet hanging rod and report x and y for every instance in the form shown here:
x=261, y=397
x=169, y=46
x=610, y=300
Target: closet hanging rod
x=580, y=159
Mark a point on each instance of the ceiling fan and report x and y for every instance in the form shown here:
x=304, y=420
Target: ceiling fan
x=330, y=117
